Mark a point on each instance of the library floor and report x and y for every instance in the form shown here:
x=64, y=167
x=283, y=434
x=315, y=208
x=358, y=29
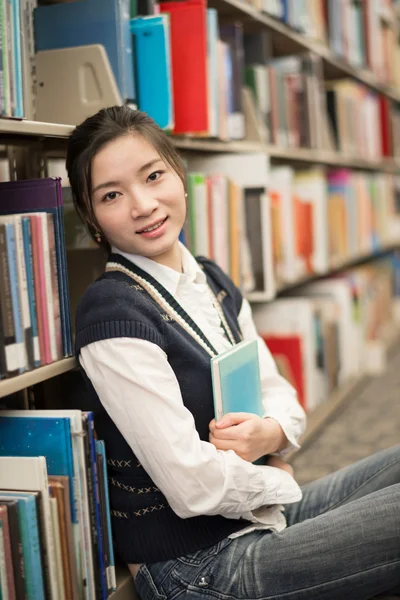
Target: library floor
x=368, y=422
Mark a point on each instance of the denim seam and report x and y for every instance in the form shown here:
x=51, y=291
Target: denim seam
x=221, y=596
x=359, y=487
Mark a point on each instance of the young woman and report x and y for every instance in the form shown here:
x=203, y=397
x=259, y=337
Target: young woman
x=192, y=515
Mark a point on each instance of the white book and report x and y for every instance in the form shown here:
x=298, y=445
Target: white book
x=29, y=474
x=82, y=533
x=220, y=219
x=57, y=545
x=49, y=288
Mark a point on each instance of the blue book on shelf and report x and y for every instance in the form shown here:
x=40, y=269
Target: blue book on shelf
x=41, y=436
x=152, y=55
x=96, y=499
x=17, y=60
x=105, y=22
x=236, y=380
x=30, y=541
x=101, y=449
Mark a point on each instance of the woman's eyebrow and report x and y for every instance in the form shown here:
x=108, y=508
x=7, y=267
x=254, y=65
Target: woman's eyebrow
x=105, y=185
x=148, y=165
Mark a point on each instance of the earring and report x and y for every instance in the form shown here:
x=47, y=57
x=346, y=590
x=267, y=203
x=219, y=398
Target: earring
x=186, y=195
x=97, y=235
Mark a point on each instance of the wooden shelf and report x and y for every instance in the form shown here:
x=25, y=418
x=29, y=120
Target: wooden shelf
x=19, y=382
x=351, y=262
x=125, y=586
x=291, y=41
x=16, y=127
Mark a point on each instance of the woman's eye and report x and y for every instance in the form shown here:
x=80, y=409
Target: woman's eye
x=154, y=176
x=111, y=196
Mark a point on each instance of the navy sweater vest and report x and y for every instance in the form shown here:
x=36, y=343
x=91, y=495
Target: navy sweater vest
x=144, y=526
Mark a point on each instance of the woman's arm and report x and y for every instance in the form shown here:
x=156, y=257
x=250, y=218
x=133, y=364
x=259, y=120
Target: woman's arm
x=140, y=392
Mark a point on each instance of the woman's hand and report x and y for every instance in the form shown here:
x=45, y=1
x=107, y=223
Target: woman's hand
x=247, y=434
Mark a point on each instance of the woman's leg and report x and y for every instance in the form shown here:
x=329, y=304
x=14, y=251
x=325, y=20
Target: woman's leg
x=355, y=481
x=350, y=552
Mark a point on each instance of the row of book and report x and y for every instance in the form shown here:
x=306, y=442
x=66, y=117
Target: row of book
x=212, y=74
x=270, y=226
x=55, y=523
x=297, y=108
x=35, y=324
x=17, y=58
x=330, y=332
x=361, y=33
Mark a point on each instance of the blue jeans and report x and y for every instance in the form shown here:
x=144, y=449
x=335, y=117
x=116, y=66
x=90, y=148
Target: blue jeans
x=342, y=542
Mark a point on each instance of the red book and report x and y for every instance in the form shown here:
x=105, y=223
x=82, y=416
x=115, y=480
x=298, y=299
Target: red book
x=384, y=110
x=188, y=21
x=288, y=354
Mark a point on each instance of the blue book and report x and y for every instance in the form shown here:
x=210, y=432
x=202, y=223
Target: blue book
x=27, y=236
x=89, y=431
x=101, y=450
x=30, y=541
x=236, y=380
x=15, y=294
x=41, y=436
x=152, y=55
x=16, y=27
x=105, y=22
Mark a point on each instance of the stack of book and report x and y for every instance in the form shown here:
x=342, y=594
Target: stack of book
x=56, y=537
x=330, y=332
x=35, y=323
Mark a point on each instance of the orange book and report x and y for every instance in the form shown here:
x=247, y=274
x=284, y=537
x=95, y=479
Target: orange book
x=188, y=21
x=234, y=241
x=304, y=231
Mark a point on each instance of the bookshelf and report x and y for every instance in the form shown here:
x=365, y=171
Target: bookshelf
x=20, y=132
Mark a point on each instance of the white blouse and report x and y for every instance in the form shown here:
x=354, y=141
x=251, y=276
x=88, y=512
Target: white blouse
x=141, y=394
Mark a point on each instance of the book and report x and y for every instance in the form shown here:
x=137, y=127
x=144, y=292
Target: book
x=151, y=42
x=236, y=380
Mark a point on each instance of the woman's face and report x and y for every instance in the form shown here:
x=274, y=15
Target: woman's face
x=138, y=199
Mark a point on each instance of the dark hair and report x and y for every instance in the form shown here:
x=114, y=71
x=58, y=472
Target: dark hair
x=95, y=132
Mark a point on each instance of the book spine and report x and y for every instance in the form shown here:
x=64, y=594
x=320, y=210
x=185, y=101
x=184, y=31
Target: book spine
x=12, y=266
x=11, y=64
x=100, y=447
x=57, y=547
x=99, y=569
x=8, y=559
x=19, y=107
x=16, y=550
x=40, y=289
x=23, y=289
x=3, y=571
x=54, y=286
x=28, y=523
x=27, y=235
x=48, y=286
x=5, y=65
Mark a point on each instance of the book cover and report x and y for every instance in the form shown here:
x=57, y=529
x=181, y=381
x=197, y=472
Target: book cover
x=236, y=380
x=16, y=547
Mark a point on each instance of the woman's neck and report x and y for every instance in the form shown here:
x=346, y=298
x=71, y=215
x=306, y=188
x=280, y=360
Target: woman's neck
x=171, y=259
